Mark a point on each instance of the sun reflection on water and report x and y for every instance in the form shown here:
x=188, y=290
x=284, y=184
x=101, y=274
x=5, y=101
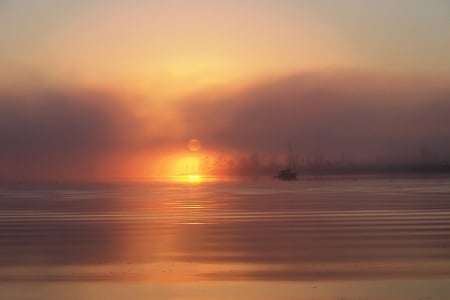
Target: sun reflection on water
x=190, y=178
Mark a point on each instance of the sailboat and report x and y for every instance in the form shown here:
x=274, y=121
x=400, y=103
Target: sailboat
x=290, y=173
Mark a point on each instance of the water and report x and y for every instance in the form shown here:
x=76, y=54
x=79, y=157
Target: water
x=372, y=238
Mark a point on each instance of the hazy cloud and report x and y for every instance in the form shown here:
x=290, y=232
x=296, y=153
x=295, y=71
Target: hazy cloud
x=52, y=133
x=357, y=114
x=64, y=133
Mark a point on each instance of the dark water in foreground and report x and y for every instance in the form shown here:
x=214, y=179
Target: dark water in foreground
x=323, y=239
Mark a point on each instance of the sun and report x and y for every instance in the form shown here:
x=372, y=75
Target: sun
x=189, y=178
x=194, y=178
x=186, y=169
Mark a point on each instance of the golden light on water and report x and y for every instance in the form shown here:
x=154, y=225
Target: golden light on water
x=187, y=178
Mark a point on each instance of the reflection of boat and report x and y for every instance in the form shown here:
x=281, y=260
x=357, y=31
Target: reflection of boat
x=290, y=173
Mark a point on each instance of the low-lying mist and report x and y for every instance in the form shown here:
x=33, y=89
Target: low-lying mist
x=336, y=118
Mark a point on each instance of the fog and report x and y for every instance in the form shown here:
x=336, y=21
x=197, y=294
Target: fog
x=58, y=133
x=361, y=116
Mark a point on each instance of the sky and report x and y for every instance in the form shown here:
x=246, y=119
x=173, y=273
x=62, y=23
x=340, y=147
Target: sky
x=94, y=88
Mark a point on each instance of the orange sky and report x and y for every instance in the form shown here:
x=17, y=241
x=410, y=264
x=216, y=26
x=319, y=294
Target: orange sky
x=150, y=70
x=168, y=48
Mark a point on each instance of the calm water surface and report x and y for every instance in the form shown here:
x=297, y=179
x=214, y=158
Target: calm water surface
x=262, y=239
